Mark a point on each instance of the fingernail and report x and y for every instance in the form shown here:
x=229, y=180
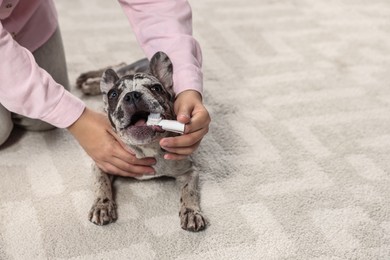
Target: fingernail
x=185, y=115
x=184, y=118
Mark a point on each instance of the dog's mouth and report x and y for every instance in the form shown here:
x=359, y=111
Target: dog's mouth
x=138, y=126
x=139, y=119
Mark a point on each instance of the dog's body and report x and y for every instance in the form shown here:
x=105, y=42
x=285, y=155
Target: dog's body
x=130, y=94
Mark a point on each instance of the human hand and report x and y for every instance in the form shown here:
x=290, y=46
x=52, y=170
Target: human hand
x=94, y=133
x=190, y=111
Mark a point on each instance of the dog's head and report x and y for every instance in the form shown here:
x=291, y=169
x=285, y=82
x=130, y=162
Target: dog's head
x=130, y=99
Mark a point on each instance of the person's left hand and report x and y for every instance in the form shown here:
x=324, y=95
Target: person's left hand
x=190, y=111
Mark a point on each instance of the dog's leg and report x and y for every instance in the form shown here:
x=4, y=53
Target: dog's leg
x=103, y=210
x=191, y=217
x=141, y=65
x=89, y=82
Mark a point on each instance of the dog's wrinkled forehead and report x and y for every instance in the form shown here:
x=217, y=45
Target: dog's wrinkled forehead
x=136, y=82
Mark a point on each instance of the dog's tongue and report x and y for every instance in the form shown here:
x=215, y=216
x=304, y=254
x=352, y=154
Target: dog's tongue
x=140, y=122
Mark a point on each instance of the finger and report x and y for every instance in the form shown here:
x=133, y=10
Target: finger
x=183, y=113
x=123, y=152
x=118, y=172
x=111, y=169
x=131, y=159
x=183, y=118
x=176, y=157
x=198, y=121
x=131, y=168
x=119, y=140
x=183, y=140
x=132, y=171
x=128, y=157
x=183, y=150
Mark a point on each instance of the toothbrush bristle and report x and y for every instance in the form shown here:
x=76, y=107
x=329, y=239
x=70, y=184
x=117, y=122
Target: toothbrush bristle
x=153, y=119
x=154, y=115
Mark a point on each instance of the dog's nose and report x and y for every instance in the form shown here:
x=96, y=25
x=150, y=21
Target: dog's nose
x=133, y=96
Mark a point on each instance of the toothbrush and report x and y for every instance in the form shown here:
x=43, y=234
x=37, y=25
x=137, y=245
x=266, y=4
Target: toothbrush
x=167, y=125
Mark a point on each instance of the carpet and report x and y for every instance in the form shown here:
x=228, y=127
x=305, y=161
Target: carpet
x=296, y=164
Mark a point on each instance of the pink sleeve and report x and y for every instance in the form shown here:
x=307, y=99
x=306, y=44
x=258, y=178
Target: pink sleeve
x=167, y=26
x=28, y=90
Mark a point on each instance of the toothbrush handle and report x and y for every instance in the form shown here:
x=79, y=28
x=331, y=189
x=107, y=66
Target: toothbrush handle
x=172, y=126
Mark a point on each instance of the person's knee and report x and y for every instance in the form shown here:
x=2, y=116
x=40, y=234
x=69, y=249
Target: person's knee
x=6, y=124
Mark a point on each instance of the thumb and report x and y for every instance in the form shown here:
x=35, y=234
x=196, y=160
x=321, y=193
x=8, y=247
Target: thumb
x=119, y=140
x=184, y=114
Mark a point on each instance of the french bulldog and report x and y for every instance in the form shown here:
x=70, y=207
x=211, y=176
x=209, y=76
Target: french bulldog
x=130, y=94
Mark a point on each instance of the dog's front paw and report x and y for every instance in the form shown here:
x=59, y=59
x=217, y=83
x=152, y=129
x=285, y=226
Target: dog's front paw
x=103, y=212
x=192, y=220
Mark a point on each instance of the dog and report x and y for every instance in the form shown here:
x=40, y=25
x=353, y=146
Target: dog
x=130, y=94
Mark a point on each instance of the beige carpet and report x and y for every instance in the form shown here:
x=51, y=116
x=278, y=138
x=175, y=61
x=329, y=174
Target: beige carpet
x=296, y=164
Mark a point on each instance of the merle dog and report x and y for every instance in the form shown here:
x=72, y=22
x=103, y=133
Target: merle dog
x=130, y=94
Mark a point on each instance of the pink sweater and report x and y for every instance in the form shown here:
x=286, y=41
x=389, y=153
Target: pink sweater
x=27, y=89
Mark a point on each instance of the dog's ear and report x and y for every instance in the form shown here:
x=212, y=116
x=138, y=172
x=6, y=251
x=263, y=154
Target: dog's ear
x=108, y=80
x=161, y=67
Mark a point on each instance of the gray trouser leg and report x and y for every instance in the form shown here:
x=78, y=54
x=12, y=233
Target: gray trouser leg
x=50, y=57
x=6, y=124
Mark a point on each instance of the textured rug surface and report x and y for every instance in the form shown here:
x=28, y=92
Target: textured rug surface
x=296, y=164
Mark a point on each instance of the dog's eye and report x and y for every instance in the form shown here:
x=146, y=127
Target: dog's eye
x=112, y=94
x=156, y=88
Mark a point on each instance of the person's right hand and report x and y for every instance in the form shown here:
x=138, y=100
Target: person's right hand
x=94, y=133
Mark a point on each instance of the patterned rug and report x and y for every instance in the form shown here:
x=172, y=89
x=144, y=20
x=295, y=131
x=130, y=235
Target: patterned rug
x=296, y=164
